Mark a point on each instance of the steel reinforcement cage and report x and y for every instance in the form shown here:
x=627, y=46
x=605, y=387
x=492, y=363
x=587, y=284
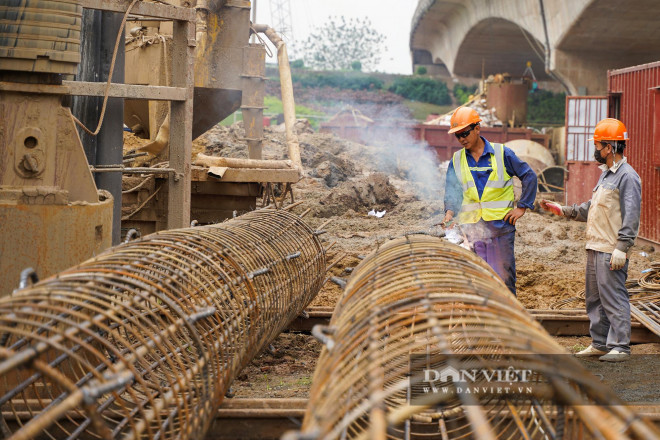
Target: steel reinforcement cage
x=424, y=342
x=143, y=340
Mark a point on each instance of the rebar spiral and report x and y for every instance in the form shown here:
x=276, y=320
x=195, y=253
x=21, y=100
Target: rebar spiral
x=144, y=340
x=421, y=322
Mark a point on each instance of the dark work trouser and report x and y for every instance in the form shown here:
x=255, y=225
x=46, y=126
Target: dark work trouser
x=608, y=305
x=499, y=254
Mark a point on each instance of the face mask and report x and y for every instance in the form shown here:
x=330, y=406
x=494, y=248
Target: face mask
x=599, y=158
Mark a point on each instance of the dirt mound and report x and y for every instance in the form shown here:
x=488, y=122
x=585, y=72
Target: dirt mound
x=371, y=192
x=222, y=141
x=333, y=171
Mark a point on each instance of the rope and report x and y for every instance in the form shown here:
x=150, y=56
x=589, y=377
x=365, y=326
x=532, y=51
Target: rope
x=262, y=41
x=112, y=69
x=139, y=185
x=542, y=58
x=139, y=208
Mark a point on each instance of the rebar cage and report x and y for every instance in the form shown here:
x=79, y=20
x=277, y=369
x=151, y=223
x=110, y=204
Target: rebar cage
x=423, y=343
x=143, y=340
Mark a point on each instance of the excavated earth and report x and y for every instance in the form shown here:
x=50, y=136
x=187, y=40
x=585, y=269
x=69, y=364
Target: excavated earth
x=344, y=181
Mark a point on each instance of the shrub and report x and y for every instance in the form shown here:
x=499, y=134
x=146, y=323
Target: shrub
x=421, y=89
x=356, y=66
x=462, y=92
x=547, y=107
x=339, y=80
x=421, y=70
x=297, y=64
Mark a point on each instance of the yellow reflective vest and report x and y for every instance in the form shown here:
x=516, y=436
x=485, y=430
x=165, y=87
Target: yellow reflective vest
x=497, y=197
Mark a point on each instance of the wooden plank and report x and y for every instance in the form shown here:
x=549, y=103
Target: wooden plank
x=270, y=418
x=34, y=88
x=86, y=88
x=245, y=175
x=257, y=418
x=133, y=91
x=181, y=115
x=143, y=8
x=269, y=403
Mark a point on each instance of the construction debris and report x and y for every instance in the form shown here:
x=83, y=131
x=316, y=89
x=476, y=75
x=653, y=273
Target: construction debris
x=478, y=103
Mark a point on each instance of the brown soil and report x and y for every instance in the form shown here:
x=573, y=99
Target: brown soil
x=375, y=104
x=285, y=369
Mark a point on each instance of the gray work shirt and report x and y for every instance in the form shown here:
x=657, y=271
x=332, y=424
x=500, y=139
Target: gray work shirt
x=612, y=214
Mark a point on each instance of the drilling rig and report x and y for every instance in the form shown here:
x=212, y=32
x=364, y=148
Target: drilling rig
x=174, y=70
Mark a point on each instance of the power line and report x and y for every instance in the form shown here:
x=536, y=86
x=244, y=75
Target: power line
x=280, y=12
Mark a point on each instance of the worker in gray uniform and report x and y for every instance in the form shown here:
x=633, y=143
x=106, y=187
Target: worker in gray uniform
x=612, y=217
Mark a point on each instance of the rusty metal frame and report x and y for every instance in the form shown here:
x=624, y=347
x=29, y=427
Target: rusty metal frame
x=180, y=95
x=419, y=303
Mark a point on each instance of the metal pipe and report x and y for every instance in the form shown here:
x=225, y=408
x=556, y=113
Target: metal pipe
x=421, y=322
x=144, y=340
x=286, y=84
x=129, y=170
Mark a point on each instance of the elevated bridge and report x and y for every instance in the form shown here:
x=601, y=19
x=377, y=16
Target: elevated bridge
x=573, y=42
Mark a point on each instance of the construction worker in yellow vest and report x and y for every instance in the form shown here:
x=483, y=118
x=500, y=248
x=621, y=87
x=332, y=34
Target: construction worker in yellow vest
x=479, y=193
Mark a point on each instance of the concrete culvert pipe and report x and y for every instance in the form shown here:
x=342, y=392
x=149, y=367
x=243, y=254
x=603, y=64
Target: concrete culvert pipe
x=427, y=342
x=536, y=155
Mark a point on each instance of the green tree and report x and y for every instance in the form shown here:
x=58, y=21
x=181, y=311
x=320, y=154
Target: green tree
x=543, y=106
x=340, y=42
x=421, y=70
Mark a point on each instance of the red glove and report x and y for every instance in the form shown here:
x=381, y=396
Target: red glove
x=553, y=207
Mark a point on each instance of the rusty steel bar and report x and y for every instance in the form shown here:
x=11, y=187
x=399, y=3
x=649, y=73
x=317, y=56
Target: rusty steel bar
x=144, y=340
x=423, y=320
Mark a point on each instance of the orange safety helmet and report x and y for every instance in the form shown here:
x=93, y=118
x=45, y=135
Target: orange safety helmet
x=461, y=118
x=610, y=129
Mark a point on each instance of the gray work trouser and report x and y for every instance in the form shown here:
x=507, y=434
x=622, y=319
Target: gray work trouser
x=607, y=301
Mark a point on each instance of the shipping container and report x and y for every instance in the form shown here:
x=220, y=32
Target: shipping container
x=634, y=98
x=582, y=115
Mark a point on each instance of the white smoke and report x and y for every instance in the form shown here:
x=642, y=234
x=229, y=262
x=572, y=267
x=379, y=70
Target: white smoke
x=401, y=156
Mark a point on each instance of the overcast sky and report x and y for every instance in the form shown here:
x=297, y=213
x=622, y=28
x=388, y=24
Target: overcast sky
x=389, y=17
